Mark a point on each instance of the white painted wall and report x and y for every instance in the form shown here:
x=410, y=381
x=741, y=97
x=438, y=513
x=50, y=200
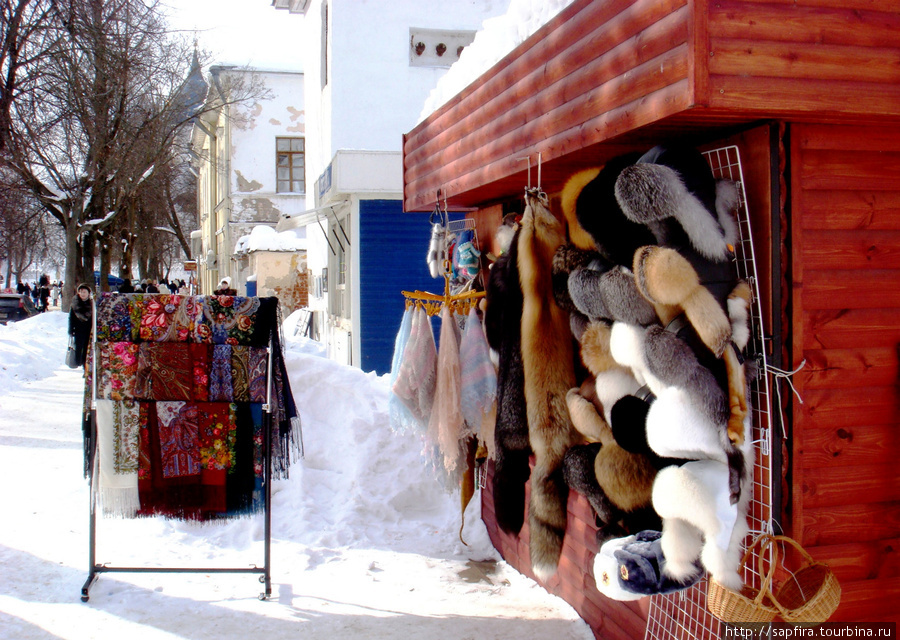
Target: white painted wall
x=373, y=96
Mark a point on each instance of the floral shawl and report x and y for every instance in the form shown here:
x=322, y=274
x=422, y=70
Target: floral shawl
x=189, y=375
x=228, y=320
x=117, y=439
x=167, y=318
x=117, y=370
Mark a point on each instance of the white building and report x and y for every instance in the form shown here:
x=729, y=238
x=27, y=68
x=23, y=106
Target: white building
x=369, y=67
x=251, y=159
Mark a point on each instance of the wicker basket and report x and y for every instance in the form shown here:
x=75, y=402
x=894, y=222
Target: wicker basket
x=808, y=596
x=749, y=605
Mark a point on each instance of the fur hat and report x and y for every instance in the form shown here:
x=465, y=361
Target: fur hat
x=606, y=571
x=595, y=217
x=610, y=294
x=700, y=521
x=642, y=565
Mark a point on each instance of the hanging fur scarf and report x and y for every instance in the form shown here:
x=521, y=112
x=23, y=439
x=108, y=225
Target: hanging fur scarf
x=547, y=361
x=503, y=329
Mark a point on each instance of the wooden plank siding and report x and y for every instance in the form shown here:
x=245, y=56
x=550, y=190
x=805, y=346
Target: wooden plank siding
x=605, y=77
x=597, y=70
x=795, y=59
x=846, y=322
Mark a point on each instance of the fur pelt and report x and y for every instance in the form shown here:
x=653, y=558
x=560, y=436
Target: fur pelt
x=674, y=364
x=585, y=417
x=667, y=279
x=578, y=471
x=618, y=480
x=611, y=386
x=673, y=192
x=548, y=364
x=502, y=323
x=674, y=183
x=589, y=199
x=690, y=417
x=595, y=348
x=735, y=370
x=739, y=314
x=627, y=478
x=700, y=521
x=568, y=258
x=568, y=203
x=611, y=294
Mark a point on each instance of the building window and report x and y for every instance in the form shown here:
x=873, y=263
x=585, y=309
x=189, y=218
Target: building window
x=291, y=165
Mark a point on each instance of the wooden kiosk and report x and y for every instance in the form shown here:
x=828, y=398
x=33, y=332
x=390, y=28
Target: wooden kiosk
x=809, y=91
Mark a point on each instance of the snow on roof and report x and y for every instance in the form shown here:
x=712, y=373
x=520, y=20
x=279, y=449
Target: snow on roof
x=264, y=238
x=498, y=36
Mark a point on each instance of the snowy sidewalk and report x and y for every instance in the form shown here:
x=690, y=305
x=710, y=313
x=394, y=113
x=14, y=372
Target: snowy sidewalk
x=364, y=540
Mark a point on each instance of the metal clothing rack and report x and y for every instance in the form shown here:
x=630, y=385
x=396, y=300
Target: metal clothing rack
x=95, y=568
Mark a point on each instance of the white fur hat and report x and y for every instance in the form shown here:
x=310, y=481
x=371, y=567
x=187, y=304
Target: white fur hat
x=606, y=571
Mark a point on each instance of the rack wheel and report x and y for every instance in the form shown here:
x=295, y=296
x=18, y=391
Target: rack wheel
x=85, y=598
x=263, y=597
x=262, y=579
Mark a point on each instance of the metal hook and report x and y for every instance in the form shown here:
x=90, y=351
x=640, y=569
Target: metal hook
x=528, y=160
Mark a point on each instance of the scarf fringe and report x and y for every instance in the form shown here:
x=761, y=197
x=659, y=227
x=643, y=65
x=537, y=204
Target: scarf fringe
x=119, y=502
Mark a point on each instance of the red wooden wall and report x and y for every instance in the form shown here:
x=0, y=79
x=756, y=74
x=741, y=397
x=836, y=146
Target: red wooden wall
x=845, y=484
x=573, y=581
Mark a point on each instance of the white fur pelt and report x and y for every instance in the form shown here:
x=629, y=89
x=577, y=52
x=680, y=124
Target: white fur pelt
x=676, y=429
x=611, y=386
x=699, y=520
x=626, y=345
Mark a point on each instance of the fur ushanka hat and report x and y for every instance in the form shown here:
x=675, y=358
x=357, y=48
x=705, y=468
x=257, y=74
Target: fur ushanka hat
x=672, y=191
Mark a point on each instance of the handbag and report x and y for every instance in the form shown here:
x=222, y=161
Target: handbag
x=71, y=361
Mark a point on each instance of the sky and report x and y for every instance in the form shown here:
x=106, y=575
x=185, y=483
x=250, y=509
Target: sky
x=364, y=537
x=241, y=32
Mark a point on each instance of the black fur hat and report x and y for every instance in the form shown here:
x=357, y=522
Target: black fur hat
x=600, y=214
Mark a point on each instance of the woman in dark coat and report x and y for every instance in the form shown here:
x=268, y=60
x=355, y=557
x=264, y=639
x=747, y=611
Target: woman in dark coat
x=81, y=317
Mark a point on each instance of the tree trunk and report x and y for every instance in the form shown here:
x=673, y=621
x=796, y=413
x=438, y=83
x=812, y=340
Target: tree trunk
x=73, y=267
x=105, y=262
x=88, y=253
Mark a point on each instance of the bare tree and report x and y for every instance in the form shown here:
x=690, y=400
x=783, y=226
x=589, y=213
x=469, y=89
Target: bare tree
x=24, y=238
x=104, y=116
x=26, y=34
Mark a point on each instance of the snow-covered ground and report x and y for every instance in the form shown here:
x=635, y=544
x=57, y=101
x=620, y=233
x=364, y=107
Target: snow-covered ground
x=364, y=541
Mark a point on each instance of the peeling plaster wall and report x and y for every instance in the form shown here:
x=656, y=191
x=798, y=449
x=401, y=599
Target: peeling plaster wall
x=282, y=274
x=254, y=130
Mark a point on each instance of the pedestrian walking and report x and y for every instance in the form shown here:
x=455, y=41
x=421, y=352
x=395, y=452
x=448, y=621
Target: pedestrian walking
x=81, y=318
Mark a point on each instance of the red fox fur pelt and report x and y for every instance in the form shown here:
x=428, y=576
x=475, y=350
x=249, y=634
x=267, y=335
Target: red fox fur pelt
x=547, y=360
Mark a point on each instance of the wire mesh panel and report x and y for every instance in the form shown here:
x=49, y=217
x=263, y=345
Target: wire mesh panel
x=683, y=615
